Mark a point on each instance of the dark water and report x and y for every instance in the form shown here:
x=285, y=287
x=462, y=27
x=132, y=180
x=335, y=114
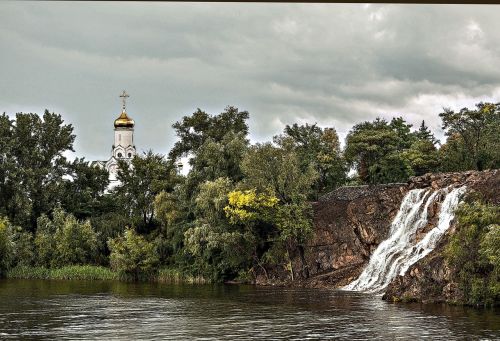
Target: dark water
x=113, y=310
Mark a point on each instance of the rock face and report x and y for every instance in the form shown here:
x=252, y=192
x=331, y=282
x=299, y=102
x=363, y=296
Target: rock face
x=430, y=279
x=350, y=223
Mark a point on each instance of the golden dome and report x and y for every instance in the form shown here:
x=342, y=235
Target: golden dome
x=124, y=121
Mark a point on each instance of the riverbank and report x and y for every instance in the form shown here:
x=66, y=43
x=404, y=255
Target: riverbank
x=94, y=272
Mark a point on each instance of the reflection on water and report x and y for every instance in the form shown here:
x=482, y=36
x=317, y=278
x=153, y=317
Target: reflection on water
x=115, y=310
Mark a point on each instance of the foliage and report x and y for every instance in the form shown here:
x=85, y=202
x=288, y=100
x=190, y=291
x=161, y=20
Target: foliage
x=193, y=131
x=276, y=171
x=83, y=191
x=473, y=253
x=64, y=240
x=320, y=149
x=6, y=246
x=132, y=256
x=219, y=249
x=476, y=133
x=240, y=208
x=24, y=253
x=32, y=165
x=245, y=206
x=141, y=182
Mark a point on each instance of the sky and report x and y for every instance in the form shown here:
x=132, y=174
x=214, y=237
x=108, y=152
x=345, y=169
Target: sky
x=331, y=64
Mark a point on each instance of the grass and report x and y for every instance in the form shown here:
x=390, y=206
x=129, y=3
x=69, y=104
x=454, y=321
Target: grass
x=167, y=275
x=93, y=272
x=78, y=272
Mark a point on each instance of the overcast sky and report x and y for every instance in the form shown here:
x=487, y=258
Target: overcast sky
x=327, y=63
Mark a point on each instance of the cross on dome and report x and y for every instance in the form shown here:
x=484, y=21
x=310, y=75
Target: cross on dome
x=124, y=96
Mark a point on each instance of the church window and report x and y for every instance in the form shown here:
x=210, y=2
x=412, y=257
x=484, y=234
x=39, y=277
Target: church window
x=129, y=154
x=120, y=155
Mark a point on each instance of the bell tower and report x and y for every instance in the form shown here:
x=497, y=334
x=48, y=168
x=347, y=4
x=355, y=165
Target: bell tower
x=123, y=146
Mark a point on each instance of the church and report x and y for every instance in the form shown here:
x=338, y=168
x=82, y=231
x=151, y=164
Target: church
x=123, y=147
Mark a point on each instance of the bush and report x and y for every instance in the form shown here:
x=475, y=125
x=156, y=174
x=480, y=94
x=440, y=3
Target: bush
x=24, y=253
x=64, y=241
x=76, y=243
x=133, y=256
x=473, y=252
x=6, y=246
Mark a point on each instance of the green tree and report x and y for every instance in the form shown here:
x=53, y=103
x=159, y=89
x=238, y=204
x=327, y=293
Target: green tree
x=423, y=157
x=133, y=256
x=76, y=243
x=220, y=250
x=319, y=148
x=472, y=255
x=475, y=133
x=374, y=148
x=83, y=189
x=63, y=240
x=193, y=131
x=32, y=165
x=24, y=253
x=6, y=246
x=141, y=182
x=276, y=171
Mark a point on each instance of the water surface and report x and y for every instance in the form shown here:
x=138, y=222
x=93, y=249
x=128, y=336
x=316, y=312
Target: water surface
x=114, y=310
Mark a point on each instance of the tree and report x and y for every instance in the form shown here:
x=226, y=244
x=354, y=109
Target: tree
x=472, y=254
x=141, y=182
x=32, y=165
x=319, y=148
x=6, y=246
x=84, y=190
x=63, y=240
x=423, y=156
x=220, y=249
x=374, y=148
x=133, y=256
x=276, y=171
x=76, y=242
x=478, y=131
x=193, y=131
x=424, y=133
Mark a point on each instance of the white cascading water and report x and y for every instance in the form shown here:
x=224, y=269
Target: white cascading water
x=397, y=253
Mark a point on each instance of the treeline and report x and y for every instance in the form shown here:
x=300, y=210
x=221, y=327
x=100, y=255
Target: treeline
x=242, y=206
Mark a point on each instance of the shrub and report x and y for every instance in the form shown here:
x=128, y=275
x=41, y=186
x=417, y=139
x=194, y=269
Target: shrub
x=76, y=243
x=133, y=256
x=474, y=253
x=24, y=254
x=64, y=240
x=6, y=246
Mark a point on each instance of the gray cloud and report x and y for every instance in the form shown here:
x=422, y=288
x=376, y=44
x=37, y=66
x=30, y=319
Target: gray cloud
x=327, y=63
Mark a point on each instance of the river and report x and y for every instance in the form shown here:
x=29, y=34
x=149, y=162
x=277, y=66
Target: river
x=115, y=310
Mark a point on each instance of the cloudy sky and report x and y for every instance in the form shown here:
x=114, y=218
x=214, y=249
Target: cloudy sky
x=327, y=63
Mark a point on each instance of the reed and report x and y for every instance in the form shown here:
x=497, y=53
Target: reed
x=76, y=272
x=175, y=276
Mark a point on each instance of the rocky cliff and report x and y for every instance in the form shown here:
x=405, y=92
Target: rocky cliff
x=430, y=279
x=350, y=223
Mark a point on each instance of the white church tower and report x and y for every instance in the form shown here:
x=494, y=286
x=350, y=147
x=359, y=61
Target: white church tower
x=123, y=147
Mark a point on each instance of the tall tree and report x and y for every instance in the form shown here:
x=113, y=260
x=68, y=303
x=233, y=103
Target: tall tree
x=83, y=190
x=478, y=131
x=193, y=131
x=374, y=149
x=319, y=148
x=276, y=172
x=32, y=165
x=141, y=182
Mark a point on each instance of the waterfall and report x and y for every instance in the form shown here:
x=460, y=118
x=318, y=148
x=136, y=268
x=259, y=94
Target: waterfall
x=397, y=253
